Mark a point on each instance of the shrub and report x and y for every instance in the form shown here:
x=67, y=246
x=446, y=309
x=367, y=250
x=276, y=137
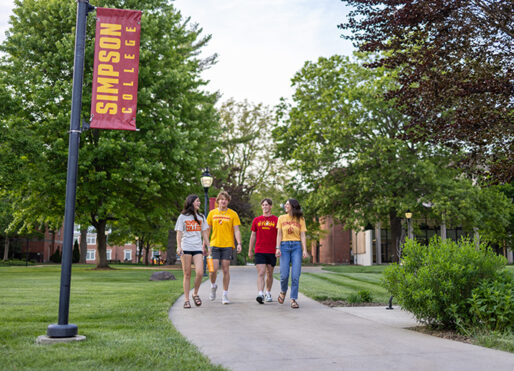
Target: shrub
x=76, y=252
x=56, y=256
x=434, y=282
x=366, y=296
x=492, y=303
x=354, y=298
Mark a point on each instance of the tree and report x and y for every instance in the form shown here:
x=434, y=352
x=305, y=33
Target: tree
x=455, y=72
x=344, y=139
x=247, y=166
x=76, y=252
x=125, y=176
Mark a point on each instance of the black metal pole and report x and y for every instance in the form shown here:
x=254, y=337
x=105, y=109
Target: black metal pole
x=206, y=194
x=63, y=329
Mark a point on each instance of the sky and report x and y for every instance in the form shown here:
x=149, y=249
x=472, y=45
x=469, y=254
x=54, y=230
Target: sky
x=260, y=44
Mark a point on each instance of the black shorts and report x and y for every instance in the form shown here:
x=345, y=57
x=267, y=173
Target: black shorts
x=193, y=253
x=222, y=253
x=263, y=258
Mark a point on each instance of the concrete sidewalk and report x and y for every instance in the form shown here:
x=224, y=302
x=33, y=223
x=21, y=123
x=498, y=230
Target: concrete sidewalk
x=247, y=336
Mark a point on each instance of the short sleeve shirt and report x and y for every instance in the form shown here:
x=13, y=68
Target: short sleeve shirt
x=291, y=227
x=222, y=224
x=265, y=228
x=191, y=231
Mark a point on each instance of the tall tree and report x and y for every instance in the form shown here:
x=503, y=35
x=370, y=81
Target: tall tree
x=456, y=71
x=122, y=175
x=344, y=139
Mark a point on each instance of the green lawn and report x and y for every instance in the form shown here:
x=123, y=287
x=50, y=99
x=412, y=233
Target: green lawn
x=122, y=314
x=339, y=282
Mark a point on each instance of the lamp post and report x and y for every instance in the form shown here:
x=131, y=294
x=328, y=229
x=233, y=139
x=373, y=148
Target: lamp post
x=206, y=181
x=408, y=215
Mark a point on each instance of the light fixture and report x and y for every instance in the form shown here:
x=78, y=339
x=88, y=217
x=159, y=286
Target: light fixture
x=206, y=178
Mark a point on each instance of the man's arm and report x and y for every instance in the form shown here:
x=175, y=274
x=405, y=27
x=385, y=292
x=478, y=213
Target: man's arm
x=251, y=244
x=237, y=233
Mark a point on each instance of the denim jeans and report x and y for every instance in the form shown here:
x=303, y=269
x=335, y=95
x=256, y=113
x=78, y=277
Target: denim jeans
x=291, y=253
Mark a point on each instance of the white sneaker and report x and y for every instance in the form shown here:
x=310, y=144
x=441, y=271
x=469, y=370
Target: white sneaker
x=224, y=299
x=212, y=295
x=268, y=297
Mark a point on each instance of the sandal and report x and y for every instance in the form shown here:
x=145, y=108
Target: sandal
x=197, y=300
x=294, y=304
x=281, y=297
x=187, y=305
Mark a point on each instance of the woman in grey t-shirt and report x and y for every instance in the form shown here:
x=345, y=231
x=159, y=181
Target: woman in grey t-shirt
x=190, y=227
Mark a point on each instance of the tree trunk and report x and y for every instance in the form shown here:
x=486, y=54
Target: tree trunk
x=6, y=248
x=396, y=234
x=83, y=245
x=378, y=242
x=147, y=248
x=171, y=252
x=52, y=244
x=139, y=245
x=443, y=230
x=101, y=243
x=476, y=237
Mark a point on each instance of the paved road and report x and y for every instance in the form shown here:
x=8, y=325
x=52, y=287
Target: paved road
x=248, y=336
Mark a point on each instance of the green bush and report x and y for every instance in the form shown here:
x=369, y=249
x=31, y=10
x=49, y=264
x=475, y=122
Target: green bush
x=366, y=296
x=56, y=256
x=76, y=252
x=354, y=298
x=434, y=282
x=492, y=303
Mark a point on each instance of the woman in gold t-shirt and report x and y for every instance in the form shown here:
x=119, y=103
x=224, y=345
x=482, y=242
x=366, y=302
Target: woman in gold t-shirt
x=291, y=247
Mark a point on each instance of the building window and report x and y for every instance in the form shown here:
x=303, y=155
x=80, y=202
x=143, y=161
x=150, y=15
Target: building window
x=109, y=254
x=127, y=255
x=91, y=255
x=91, y=240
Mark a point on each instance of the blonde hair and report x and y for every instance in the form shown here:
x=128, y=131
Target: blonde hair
x=223, y=194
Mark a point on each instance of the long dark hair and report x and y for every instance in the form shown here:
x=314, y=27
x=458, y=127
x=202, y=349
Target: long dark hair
x=296, y=209
x=189, y=208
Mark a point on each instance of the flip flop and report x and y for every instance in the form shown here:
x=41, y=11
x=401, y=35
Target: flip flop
x=294, y=304
x=281, y=297
x=187, y=305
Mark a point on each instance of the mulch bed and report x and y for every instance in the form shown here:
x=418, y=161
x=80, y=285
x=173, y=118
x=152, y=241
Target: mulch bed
x=445, y=334
x=342, y=303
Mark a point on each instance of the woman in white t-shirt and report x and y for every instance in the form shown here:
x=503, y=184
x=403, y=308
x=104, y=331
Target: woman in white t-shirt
x=190, y=227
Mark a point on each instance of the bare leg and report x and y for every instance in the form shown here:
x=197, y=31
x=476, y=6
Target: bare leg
x=198, y=259
x=186, y=268
x=261, y=271
x=269, y=277
x=225, y=266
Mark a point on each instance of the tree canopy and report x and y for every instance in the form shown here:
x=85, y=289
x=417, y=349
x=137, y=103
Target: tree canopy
x=455, y=71
x=346, y=142
x=130, y=177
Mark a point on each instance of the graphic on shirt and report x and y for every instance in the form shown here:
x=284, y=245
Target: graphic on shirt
x=193, y=226
x=268, y=224
x=290, y=229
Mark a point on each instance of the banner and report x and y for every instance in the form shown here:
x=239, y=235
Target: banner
x=116, y=68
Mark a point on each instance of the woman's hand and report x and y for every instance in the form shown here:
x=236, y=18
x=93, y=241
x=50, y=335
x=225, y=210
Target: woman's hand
x=305, y=254
x=277, y=253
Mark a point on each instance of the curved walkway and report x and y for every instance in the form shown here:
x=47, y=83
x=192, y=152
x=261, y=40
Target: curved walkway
x=245, y=335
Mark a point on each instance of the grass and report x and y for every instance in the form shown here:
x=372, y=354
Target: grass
x=123, y=315
x=340, y=283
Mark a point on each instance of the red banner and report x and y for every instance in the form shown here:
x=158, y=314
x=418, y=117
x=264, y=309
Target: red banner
x=116, y=69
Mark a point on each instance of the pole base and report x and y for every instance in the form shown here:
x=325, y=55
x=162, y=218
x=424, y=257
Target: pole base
x=62, y=331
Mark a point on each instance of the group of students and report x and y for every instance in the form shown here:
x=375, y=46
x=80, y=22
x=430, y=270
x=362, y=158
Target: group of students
x=272, y=237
